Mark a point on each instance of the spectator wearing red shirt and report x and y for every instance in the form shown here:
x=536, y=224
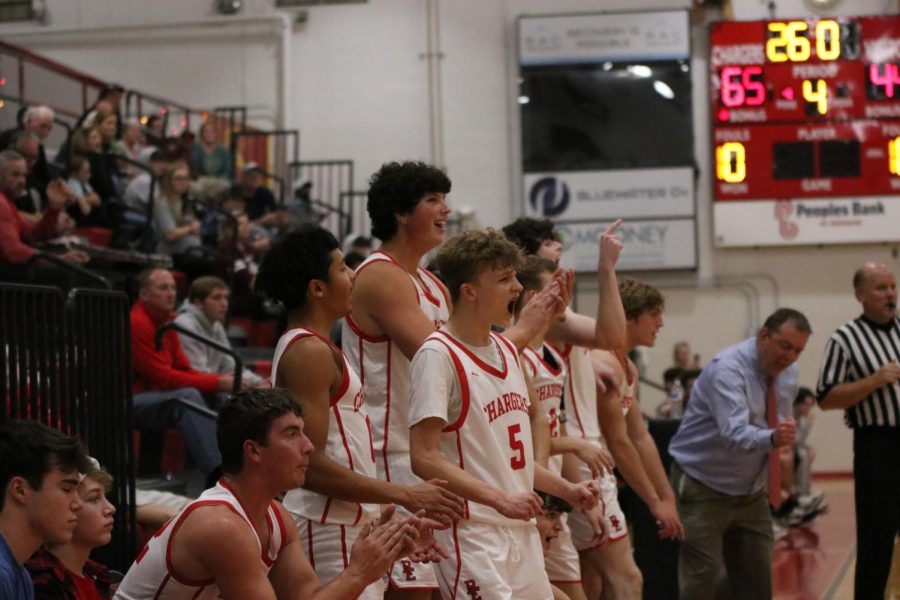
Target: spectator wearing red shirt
x=16, y=233
x=163, y=375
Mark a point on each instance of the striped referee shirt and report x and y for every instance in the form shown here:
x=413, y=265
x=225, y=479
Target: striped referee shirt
x=854, y=352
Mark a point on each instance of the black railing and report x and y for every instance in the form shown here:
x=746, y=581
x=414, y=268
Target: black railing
x=238, y=362
x=66, y=363
x=331, y=181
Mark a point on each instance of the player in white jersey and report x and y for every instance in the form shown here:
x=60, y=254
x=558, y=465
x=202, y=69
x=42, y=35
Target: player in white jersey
x=546, y=371
x=395, y=305
x=626, y=435
x=575, y=336
x=305, y=272
x=471, y=425
x=233, y=543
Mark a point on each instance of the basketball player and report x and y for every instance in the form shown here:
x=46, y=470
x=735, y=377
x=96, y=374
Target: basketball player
x=394, y=306
x=232, y=541
x=470, y=424
x=305, y=271
x=632, y=447
x=545, y=371
x=575, y=337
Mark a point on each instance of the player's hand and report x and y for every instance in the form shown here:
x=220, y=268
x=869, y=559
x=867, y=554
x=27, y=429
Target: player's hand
x=379, y=544
x=887, y=374
x=785, y=433
x=610, y=247
x=543, y=308
x=566, y=280
x=595, y=457
x=582, y=495
x=425, y=548
x=436, y=500
x=597, y=518
x=670, y=527
x=523, y=506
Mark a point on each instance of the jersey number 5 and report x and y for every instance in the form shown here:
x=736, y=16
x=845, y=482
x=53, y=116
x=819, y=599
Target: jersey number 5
x=517, y=461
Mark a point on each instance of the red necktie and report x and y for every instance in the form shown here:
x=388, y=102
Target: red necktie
x=774, y=456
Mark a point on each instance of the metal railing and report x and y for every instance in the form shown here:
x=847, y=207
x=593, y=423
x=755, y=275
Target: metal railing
x=238, y=361
x=66, y=363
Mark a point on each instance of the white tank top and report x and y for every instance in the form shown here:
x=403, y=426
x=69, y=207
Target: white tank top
x=581, y=394
x=384, y=369
x=153, y=575
x=491, y=438
x=349, y=444
x=548, y=383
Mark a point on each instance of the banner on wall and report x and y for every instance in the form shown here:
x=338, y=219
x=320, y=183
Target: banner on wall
x=650, y=35
x=646, y=245
x=807, y=221
x=607, y=133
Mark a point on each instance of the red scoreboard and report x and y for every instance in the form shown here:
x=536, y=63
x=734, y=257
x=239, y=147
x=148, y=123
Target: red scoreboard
x=806, y=108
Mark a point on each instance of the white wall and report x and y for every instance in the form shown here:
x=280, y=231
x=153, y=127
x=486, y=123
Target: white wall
x=354, y=80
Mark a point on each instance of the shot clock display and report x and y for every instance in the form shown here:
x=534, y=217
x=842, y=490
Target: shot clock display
x=806, y=108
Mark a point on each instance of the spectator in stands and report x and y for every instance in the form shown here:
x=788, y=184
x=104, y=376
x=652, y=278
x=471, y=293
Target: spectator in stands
x=85, y=209
x=37, y=120
x=356, y=249
x=130, y=146
x=31, y=202
x=208, y=157
x=684, y=358
x=176, y=226
x=137, y=194
x=261, y=205
x=166, y=374
x=103, y=164
x=16, y=234
x=109, y=100
x=39, y=476
x=204, y=312
x=86, y=140
x=155, y=130
x=300, y=209
x=802, y=504
x=65, y=570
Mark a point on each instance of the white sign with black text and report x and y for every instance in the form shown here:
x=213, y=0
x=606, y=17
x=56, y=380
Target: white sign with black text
x=646, y=245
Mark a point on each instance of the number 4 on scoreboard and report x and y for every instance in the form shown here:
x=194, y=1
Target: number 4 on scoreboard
x=817, y=96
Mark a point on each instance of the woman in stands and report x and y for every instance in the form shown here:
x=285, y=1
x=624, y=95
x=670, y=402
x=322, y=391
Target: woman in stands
x=176, y=227
x=85, y=209
x=64, y=571
x=208, y=157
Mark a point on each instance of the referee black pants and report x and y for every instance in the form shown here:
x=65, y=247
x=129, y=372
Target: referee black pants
x=876, y=466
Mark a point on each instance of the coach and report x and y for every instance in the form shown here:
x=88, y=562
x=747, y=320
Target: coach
x=860, y=373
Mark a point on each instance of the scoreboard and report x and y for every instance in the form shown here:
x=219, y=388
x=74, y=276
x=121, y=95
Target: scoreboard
x=806, y=110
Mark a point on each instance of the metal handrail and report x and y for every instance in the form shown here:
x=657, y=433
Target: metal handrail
x=238, y=363
x=69, y=266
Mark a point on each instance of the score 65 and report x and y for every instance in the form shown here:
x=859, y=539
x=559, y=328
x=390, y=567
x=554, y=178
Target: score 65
x=742, y=86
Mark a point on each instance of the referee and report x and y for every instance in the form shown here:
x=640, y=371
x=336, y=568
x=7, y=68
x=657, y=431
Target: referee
x=861, y=374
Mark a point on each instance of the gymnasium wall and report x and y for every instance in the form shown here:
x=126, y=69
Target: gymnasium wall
x=355, y=80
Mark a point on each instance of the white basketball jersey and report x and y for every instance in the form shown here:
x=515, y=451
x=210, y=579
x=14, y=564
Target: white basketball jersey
x=581, y=394
x=349, y=444
x=384, y=369
x=491, y=438
x=153, y=575
x=548, y=382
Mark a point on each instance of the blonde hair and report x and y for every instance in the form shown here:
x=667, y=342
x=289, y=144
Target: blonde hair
x=464, y=257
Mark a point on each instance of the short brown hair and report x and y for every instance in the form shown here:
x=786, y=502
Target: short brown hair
x=202, y=287
x=464, y=257
x=99, y=474
x=639, y=297
x=529, y=274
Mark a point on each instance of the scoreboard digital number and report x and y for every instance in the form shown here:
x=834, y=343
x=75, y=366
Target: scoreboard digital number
x=806, y=108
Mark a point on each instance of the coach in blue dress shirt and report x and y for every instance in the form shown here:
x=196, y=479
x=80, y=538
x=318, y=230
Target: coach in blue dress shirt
x=720, y=457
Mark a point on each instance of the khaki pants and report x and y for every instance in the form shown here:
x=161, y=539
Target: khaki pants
x=736, y=530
